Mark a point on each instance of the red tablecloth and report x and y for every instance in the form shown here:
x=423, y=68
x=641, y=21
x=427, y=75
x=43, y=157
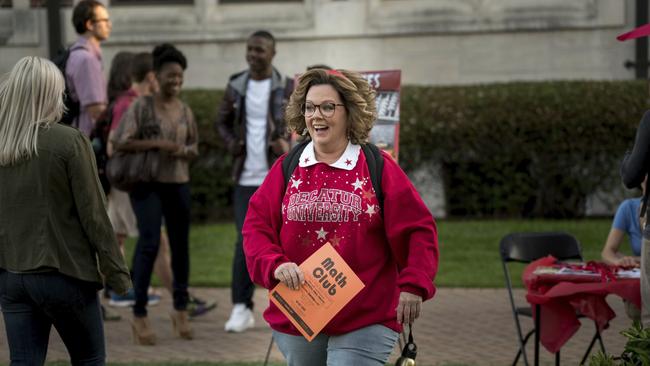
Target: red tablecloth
x=561, y=295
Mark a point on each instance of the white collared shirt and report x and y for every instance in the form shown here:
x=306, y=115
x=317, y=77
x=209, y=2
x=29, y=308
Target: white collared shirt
x=347, y=161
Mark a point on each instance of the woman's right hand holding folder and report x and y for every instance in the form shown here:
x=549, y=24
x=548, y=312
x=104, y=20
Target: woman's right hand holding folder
x=290, y=274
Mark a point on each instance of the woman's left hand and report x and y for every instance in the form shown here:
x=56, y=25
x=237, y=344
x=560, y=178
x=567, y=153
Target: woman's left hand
x=408, y=308
x=168, y=146
x=181, y=152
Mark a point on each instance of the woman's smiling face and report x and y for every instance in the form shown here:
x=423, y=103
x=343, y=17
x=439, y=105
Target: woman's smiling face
x=170, y=78
x=328, y=124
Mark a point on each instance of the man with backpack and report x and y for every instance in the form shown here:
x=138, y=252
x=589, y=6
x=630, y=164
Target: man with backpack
x=331, y=200
x=84, y=76
x=85, y=83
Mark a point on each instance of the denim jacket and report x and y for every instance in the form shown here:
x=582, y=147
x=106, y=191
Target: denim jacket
x=231, y=117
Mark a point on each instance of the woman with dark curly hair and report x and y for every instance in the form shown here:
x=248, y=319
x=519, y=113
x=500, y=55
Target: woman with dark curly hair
x=392, y=247
x=164, y=124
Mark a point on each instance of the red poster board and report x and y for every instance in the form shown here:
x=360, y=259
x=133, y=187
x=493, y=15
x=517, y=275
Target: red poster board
x=385, y=133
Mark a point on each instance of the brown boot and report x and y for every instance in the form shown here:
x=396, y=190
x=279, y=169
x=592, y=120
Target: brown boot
x=181, y=324
x=142, y=332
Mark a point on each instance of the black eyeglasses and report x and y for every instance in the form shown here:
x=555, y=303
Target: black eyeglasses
x=326, y=109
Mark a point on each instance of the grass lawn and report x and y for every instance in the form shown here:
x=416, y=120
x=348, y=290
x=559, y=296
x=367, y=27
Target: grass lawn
x=469, y=254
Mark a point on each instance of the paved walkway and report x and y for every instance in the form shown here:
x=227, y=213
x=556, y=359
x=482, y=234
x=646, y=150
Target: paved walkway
x=460, y=326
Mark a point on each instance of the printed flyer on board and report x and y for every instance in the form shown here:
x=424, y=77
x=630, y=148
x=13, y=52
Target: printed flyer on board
x=329, y=285
x=385, y=132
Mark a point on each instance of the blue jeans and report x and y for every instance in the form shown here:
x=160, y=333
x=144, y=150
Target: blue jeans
x=32, y=303
x=369, y=346
x=151, y=202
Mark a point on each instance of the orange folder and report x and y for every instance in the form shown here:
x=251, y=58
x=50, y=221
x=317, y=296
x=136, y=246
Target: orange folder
x=329, y=285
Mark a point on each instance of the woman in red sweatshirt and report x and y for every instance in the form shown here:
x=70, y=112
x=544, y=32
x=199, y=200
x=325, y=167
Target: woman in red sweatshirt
x=392, y=247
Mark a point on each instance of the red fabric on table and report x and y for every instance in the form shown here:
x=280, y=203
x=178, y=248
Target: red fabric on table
x=559, y=296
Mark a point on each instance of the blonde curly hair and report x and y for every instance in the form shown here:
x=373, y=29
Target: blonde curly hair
x=354, y=90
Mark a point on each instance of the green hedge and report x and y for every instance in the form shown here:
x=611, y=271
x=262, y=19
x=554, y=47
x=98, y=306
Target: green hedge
x=522, y=149
x=517, y=149
x=210, y=173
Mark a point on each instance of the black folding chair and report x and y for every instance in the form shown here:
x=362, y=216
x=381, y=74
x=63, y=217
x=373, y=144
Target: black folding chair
x=526, y=248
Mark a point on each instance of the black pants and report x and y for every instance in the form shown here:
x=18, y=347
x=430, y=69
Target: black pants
x=242, y=288
x=152, y=201
x=33, y=303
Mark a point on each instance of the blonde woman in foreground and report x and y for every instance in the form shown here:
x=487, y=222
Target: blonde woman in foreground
x=56, y=241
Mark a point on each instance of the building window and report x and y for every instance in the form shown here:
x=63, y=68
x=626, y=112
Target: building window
x=257, y=1
x=34, y=3
x=151, y=2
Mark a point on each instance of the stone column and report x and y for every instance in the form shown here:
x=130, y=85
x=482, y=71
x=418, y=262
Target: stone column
x=204, y=9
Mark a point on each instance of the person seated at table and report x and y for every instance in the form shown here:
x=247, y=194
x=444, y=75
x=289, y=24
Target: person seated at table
x=626, y=221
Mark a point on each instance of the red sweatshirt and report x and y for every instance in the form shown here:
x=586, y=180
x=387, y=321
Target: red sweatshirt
x=393, y=252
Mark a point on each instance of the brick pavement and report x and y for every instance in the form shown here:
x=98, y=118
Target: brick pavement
x=460, y=326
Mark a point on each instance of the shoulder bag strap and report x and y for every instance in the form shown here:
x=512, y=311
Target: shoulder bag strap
x=291, y=161
x=375, y=162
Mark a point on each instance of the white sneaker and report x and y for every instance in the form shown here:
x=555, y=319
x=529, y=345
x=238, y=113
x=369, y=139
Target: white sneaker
x=241, y=318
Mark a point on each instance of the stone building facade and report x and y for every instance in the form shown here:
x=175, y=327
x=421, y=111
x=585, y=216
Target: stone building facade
x=433, y=42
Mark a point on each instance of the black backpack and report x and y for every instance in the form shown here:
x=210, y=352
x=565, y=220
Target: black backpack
x=374, y=159
x=72, y=106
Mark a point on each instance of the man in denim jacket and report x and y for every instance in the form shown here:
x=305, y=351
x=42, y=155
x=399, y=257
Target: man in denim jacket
x=251, y=123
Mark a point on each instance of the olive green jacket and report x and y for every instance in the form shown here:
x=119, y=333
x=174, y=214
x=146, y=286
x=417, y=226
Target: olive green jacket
x=53, y=213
